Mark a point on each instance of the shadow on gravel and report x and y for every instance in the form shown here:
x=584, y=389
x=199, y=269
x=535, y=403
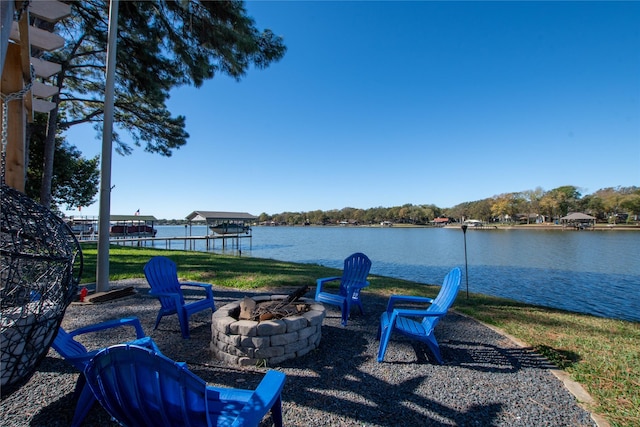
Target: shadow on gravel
x=58, y=366
x=491, y=358
x=343, y=378
x=364, y=398
x=60, y=410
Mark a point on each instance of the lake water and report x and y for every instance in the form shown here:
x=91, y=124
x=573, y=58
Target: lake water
x=594, y=272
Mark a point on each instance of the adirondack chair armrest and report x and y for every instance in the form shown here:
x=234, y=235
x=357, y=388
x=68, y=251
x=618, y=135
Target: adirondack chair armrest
x=198, y=284
x=393, y=299
x=262, y=399
x=206, y=286
x=126, y=321
x=322, y=281
x=406, y=312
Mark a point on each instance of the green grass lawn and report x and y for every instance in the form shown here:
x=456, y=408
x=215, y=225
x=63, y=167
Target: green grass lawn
x=601, y=354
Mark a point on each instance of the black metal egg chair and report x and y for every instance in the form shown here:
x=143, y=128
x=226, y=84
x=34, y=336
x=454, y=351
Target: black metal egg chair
x=40, y=268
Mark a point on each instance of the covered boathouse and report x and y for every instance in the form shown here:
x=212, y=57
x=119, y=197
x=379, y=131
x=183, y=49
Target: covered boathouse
x=225, y=225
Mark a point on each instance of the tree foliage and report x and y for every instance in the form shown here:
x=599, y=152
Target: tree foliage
x=521, y=206
x=162, y=44
x=75, y=178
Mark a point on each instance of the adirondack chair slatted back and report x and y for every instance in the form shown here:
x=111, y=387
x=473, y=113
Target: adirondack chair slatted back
x=355, y=271
x=162, y=275
x=444, y=300
x=140, y=388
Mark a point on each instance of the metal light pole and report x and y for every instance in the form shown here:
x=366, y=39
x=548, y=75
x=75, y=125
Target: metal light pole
x=466, y=270
x=102, y=268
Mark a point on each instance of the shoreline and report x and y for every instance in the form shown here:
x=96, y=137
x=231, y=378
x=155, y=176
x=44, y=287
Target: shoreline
x=555, y=227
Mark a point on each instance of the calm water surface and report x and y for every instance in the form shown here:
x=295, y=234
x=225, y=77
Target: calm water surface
x=590, y=272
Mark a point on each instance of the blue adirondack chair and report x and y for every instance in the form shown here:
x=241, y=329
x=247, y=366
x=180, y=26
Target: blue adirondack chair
x=77, y=355
x=140, y=387
x=416, y=323
x=162, y=276
x=353, y=279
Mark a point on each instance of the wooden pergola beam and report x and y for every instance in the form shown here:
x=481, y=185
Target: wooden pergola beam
x=45, y=69
x=37, y=37
x=42, y=90
x=50, y=11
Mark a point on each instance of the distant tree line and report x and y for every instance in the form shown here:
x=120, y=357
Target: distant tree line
x=619, y=204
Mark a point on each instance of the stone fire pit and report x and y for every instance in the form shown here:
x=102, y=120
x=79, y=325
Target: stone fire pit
x=268, y=342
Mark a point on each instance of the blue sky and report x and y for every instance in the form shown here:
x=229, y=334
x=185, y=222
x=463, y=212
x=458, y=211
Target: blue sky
x=387, y=103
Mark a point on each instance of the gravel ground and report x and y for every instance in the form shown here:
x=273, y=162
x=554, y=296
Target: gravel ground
x=486, y=380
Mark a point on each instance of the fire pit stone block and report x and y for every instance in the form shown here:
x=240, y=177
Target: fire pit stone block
x=247, y=328
x=315, y=315
x=271, y=327
x=295, y=323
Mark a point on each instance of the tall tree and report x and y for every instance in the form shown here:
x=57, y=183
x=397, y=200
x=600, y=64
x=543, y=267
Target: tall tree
x=507, y=206
x=631, y=202
x=162, y=44
x=532, y=199
x=566, y=198
x=593, y=205
x=619, y=200
x=481, y=209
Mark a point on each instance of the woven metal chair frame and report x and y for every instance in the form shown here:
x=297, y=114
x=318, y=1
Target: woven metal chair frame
x=40, y=268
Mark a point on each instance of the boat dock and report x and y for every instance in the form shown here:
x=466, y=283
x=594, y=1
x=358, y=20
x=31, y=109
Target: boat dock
x=227, y=228
x=483, y=227
x=187, y=243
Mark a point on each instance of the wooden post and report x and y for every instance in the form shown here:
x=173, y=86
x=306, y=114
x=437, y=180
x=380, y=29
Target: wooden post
x=16, y=120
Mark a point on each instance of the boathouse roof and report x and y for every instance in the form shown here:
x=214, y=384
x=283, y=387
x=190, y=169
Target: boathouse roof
x=217, y=216
x=440, y=220
x=116, y=218
x=578, y=216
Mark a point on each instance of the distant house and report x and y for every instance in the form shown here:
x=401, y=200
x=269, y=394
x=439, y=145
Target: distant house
x=530, y=218
x=441, y=221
